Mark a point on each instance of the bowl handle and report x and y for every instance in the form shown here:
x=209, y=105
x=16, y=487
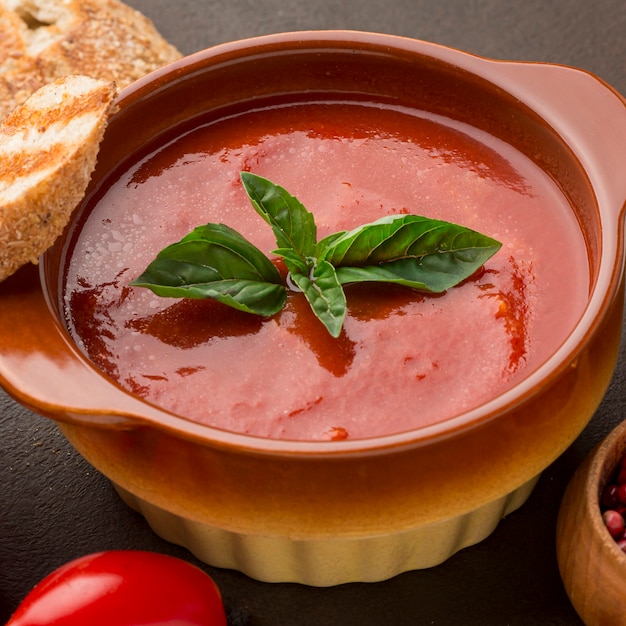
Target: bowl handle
x=43, y=370
x=585, y=111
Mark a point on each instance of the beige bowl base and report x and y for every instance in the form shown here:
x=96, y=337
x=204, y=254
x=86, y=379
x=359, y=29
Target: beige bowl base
x=329, y=561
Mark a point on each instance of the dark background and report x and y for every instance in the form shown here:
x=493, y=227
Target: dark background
x=54, y=506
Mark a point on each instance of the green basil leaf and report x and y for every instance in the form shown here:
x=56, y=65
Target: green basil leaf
x=293, y=261
x=325, y=295
x=431, y=274
x=293, y=226
x=325, y=244
x=214, y=261
x=418, y=252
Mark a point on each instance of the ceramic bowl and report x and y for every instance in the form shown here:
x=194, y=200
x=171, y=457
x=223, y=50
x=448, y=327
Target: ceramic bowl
x=592, y=566
x=324, y=513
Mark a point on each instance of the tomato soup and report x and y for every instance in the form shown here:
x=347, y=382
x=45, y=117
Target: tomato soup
x=404, y=359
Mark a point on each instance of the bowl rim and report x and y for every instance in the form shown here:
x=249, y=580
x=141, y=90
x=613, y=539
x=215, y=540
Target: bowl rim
x=609, y=274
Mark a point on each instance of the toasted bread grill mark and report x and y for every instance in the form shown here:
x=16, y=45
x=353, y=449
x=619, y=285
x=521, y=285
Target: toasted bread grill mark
x=42, y=133
x=41, y=183
x=33, y=115
x=12, y=52
x=28, y=167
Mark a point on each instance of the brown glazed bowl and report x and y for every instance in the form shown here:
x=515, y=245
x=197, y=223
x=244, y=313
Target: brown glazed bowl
x=592, y=566
x=323, y=513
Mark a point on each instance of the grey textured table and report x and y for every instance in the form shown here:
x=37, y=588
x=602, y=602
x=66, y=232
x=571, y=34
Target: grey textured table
x=54, y=506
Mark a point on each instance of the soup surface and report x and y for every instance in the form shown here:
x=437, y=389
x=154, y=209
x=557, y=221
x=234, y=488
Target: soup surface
x=404, y=359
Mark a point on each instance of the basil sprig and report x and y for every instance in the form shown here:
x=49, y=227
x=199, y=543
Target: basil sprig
x=214, y=261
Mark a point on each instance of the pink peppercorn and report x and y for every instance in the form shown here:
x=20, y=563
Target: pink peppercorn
x=613, y=505
x=614, y=523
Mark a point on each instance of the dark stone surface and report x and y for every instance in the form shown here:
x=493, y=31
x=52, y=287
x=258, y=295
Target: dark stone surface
x=54, y=506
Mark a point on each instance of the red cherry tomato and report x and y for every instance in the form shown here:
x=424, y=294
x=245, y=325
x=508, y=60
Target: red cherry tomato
x=123, y=588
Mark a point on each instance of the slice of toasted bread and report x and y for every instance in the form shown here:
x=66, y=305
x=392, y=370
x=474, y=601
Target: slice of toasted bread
x=41, y=40
x=48, y=150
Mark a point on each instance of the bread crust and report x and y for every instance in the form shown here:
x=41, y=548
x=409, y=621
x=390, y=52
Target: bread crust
x=48, y=150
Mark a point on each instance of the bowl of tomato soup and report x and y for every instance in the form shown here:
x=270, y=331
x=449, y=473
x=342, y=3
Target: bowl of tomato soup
x=263, y=443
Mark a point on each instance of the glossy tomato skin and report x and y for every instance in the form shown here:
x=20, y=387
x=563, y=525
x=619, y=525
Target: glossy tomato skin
x=123, y=588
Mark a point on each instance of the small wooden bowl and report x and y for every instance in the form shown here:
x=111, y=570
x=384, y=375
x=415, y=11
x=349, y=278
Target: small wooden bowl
x=592, y=566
